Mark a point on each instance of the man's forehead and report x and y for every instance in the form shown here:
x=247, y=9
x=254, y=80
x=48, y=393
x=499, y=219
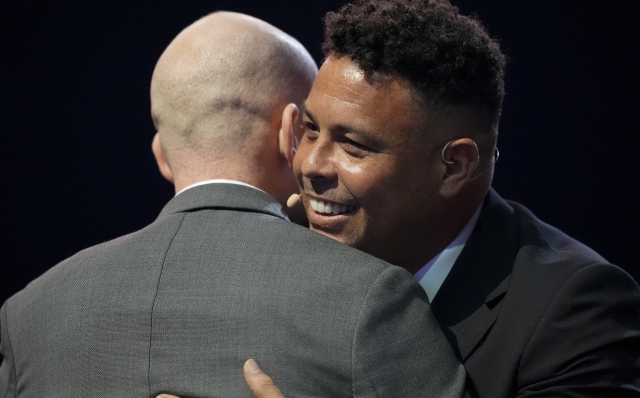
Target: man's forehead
x=343, y=88
x=350, y=72
x=344, y=72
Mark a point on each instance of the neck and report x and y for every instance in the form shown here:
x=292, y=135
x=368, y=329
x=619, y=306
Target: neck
x=266, y=178
x=183, y=181
x=452, y=221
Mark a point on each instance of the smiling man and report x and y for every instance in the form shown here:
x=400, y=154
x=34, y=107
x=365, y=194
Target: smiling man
x=397, y=160
x=222, y=275
x=371, y=151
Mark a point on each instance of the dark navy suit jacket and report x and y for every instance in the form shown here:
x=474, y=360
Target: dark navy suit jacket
x=532, y=312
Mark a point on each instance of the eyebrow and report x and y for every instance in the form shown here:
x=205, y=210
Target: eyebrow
x=368, y=137
x=334, y=127
x=306, y=111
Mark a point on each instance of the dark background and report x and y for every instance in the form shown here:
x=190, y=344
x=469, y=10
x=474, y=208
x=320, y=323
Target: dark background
x=76, y=131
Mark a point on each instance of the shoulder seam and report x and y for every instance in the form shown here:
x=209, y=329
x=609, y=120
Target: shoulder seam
x=355, y=329
x=155, y=296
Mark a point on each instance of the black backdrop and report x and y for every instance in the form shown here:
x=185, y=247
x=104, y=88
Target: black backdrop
x=76, y=131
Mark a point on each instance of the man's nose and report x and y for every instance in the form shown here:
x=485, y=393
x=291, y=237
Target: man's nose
x=318, y=162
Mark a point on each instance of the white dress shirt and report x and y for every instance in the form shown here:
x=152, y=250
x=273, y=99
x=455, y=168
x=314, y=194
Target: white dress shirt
x=432, y=274
x=218, y=181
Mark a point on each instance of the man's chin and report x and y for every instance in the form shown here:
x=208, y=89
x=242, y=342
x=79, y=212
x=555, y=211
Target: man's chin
x=330, y=232
x=334, y=233
x=357, y=242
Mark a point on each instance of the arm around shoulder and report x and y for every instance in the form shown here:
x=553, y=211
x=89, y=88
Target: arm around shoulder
x=398, y=348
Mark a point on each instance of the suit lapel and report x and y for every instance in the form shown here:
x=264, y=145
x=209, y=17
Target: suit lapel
x=223, y=196
x=479, y=278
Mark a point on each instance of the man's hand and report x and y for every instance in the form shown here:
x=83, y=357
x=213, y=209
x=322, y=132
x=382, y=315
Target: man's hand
x=260, y=384
x=295, y=211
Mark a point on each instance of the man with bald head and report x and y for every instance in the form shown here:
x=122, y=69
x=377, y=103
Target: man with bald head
x=221, y=275
x=216, y=92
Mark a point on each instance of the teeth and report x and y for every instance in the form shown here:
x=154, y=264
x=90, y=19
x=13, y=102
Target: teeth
x=329, y=208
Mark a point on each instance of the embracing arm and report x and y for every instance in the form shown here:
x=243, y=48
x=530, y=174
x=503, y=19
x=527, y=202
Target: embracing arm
x=587, y=343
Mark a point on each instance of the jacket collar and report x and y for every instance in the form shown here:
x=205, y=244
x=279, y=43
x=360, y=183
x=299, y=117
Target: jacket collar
x=479, y=278
x=223, y=196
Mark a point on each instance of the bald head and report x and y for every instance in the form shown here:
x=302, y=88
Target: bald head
x=219, y=90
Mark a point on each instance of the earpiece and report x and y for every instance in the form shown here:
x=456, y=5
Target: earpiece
x=496, y=155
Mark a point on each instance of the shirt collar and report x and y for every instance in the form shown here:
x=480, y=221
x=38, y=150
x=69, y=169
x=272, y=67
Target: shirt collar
x=432, y=274
x=218, y=181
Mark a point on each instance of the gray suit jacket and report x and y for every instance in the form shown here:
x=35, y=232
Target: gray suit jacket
x=221, y=276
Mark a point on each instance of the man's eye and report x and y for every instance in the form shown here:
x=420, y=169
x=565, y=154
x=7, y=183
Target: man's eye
x=311, y=130
x=309, y=126
x=355, y=148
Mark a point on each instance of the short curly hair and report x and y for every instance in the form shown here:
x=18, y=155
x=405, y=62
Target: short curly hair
x=449, y=58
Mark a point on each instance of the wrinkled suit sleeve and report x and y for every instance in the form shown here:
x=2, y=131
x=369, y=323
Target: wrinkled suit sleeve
x=587, y=343
x=398, y=348
x=7, y=368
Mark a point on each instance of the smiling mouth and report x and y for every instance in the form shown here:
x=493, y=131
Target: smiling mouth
x=328, y=208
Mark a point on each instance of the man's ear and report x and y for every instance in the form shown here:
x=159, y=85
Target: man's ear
x=461, y=159
x=287, y=140
x=165, y=170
